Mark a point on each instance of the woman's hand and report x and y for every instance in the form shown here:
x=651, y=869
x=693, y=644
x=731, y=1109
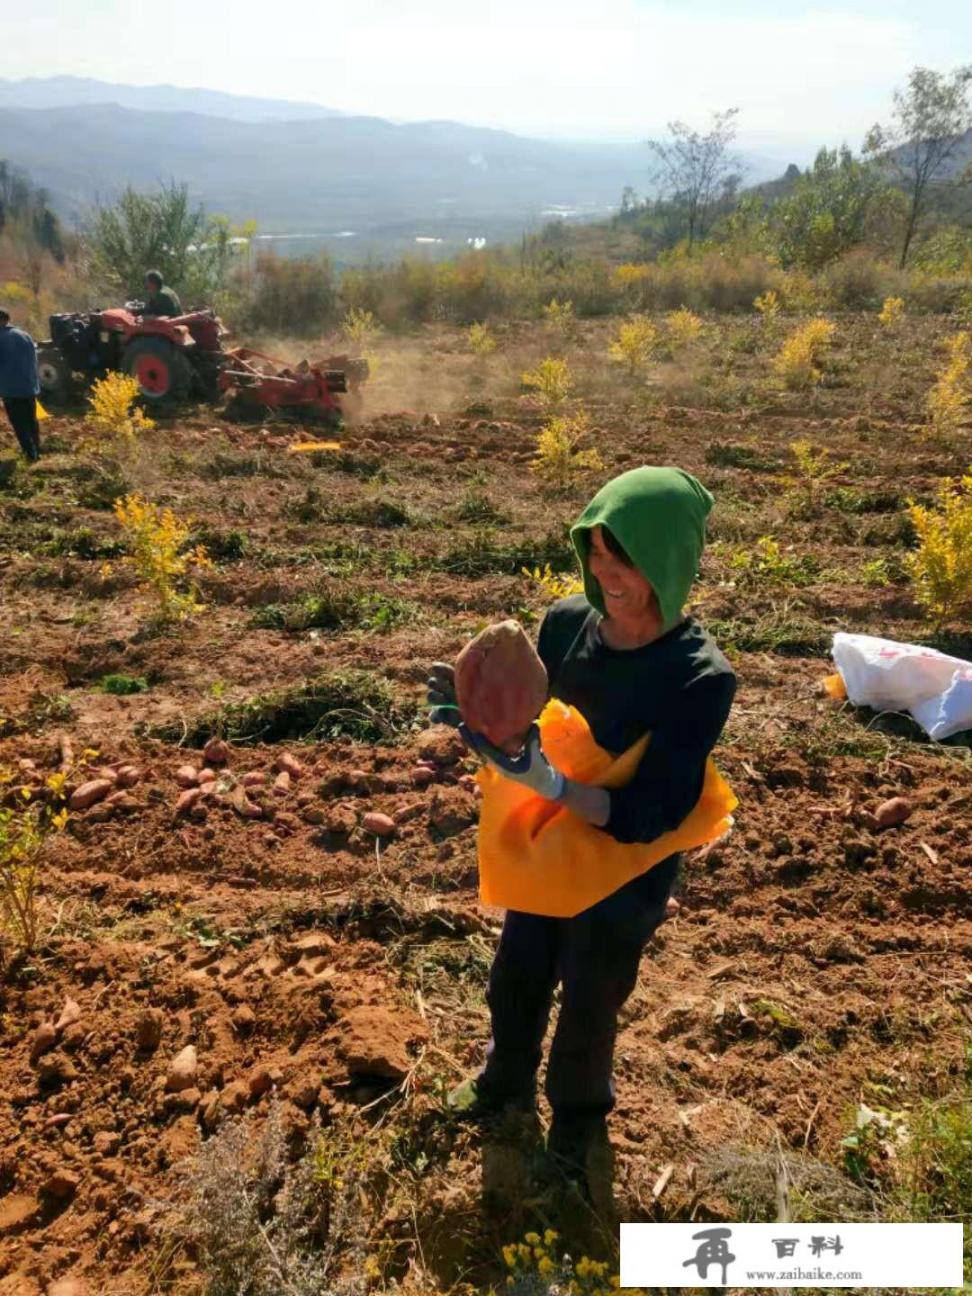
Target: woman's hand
x=530, y=768
x=441, y=695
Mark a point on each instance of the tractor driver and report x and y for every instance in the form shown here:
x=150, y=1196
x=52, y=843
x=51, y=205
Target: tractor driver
x=159, y=299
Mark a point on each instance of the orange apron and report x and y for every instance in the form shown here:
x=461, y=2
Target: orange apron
x=537, y=857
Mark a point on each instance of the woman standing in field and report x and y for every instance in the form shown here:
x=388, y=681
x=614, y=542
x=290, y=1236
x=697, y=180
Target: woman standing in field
x=581, y=835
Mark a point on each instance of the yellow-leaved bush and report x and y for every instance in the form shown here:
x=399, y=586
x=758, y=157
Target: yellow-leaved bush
x=634, y=343
x=556, y=585
x=797, y=361
x=24, y=829
x=160, y=556
x=949, y=399
x=560, y=460
x=360, y=326
x=551, y=380
x=941, y=566
x=481, y=339
x=561, y=317
x=891, y=312
x=768, y=303
x=682, y=326
x=111, y=408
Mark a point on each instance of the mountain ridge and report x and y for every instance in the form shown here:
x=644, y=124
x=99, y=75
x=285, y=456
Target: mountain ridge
x=327, y=174
x=71, y=91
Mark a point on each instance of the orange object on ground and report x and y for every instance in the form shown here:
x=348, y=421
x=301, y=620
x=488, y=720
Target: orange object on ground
x=537, y=857
x=835, y=687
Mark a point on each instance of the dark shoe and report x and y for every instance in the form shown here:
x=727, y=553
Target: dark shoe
x=474, y=1101
x=580, y=1150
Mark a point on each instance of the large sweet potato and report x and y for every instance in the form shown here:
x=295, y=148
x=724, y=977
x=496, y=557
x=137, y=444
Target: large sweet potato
x=501, y=684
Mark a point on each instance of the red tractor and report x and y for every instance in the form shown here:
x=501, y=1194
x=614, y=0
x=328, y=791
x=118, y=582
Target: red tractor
x=175, y=359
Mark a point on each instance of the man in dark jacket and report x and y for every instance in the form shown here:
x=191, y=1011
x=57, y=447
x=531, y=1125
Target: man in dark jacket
x=160, y=300
x=19, y=384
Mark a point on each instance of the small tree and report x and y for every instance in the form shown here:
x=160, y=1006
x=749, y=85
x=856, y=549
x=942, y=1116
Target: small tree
x=160, y=555
x=941, y=566
x=165, y=232
x=797, y=360
x=551, y=380
x=292, y=295
x=635, y=342
x=923, y=143
x=827, y=212
x=560, y=461
x=113, y=413
x=698, y=169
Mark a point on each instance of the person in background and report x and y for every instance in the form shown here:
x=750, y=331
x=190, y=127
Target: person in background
x=159, y=299
x=19, y=384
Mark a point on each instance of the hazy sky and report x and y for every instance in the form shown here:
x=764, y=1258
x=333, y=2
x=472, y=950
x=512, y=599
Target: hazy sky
x=799, y=73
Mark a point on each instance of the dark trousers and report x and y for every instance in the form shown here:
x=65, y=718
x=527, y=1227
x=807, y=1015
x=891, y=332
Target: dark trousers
x=595, y=957
x=22, y=413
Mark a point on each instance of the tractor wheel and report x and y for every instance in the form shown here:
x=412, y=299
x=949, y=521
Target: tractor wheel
x=54, y=375
x=162, y=373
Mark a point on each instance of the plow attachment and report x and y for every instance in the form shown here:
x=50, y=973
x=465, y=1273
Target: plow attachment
x=326, y=389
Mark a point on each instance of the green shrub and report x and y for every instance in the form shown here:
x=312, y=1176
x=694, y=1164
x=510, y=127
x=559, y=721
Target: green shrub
x=343, y=704
x=221, y=546
x=122, y=685
x=294, y=296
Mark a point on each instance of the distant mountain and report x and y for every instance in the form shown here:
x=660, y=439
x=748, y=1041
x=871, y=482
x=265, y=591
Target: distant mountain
x=68, y=91
x=376, y=184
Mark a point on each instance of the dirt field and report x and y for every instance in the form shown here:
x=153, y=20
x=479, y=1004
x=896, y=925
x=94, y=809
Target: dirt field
x=335, y=978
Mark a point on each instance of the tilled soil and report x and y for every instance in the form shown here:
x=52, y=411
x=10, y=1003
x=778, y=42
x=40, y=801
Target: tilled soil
x=261, y=944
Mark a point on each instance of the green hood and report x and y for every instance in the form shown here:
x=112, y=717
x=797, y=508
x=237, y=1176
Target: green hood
x=658, y=516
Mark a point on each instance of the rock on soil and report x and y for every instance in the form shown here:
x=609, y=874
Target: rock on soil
x=374, y=1041
x=451, y=811
x=182, y=1070
x=261, y=1081
x=55, y=1069
x=69, y=1287
x=441, y=745
x=16, y=1209
x=187, y=776
x=45, y=1037
x=148, y=1032
x=243, y=1019
x=61, y=1185
x=70, y=1013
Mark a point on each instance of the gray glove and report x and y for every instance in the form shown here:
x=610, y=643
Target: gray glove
x=441, y=695
x=530, y=768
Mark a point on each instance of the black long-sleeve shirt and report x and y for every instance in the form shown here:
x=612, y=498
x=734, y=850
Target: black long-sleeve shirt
x=679, y=689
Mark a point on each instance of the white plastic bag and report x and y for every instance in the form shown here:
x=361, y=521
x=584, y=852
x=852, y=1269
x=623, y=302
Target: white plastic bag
x=887, y=676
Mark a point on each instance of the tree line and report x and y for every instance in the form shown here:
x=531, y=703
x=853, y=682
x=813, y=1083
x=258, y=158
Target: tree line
x=913, y=173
